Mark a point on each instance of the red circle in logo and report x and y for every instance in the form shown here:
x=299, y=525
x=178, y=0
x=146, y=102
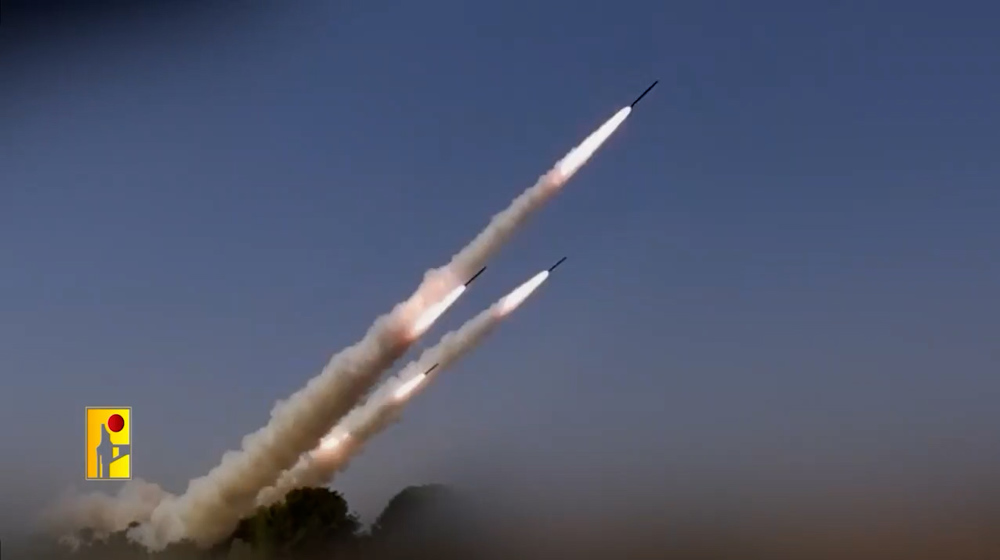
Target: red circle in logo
x=116, y=423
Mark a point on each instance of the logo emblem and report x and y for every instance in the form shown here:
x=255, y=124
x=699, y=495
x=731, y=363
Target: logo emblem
x=109, y=443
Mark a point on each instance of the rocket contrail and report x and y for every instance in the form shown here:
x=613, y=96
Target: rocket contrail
x=213, y=504
x=504, y=224
x=385, y=405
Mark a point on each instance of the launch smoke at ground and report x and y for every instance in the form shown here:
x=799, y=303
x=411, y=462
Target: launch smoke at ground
x=103, y=513
x=213, y=504
x=386, y=404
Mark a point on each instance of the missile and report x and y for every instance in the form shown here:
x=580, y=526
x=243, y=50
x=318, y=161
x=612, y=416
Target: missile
x=474, y=276
x=644, y=94
x=558, y=262
x=406, y=388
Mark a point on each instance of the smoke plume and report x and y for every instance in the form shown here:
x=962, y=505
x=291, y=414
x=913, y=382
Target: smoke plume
x=504, y=224
x=384, y=407
x=213, y=504
x=105, y=514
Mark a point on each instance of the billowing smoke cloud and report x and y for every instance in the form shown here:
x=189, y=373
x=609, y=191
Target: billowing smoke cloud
x=213, y=504
x=384, y=407
x=105, y=514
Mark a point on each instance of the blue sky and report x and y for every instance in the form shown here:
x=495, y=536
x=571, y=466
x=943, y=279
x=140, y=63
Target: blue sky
x=782, y=270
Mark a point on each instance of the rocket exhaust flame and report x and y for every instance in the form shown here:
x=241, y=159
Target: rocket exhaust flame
x=573, y=161
x=432, y=313
x=331, y=442
x=521, y=293
x=408, y=387
x=435, y=311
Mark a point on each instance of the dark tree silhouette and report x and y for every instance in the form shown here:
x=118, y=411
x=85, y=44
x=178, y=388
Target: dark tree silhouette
x=415, y=510
x=309, y=520
x=428, y=520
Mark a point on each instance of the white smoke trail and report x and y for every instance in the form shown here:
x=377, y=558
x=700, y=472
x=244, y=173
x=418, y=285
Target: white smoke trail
x=383, y=408
x=212, y=505
x=503, y=225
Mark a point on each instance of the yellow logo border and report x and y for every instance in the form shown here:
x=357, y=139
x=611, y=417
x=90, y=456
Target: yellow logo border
x=86, y=431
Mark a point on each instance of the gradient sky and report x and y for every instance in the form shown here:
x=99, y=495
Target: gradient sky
x=783, y=269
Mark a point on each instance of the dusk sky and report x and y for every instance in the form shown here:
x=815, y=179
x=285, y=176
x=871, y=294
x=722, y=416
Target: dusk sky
x=783, y=269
